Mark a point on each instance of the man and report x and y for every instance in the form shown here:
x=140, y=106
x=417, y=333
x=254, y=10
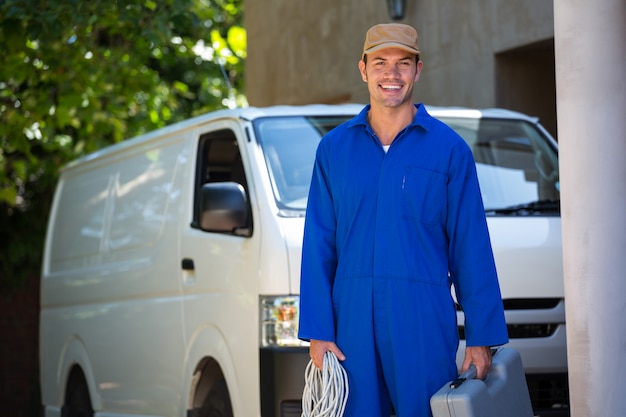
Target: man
x=395, y=217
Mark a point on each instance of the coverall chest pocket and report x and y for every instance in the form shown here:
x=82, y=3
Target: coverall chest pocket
x=423, y=195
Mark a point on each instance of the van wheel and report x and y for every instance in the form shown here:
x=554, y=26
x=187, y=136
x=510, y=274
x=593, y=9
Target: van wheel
x=77, y=401
x=217, y=402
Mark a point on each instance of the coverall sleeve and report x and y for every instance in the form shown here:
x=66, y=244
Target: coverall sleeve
x=472, y=266
x=319, y=256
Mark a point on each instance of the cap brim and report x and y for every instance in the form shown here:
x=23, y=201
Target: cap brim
x=391, y=45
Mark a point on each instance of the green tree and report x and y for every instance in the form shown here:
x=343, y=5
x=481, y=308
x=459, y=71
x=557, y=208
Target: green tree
x=79, y=75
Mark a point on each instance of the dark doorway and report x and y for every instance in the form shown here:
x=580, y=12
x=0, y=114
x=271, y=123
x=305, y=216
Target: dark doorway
x=525, y=82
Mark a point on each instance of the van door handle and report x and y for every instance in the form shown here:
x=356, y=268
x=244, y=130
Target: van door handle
x=187, y=264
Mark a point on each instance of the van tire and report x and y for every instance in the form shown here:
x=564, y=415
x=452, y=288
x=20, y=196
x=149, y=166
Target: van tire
x=77, y=401
x=217, y=402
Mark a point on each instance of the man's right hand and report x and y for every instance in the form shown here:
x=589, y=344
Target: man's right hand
x=318, y=348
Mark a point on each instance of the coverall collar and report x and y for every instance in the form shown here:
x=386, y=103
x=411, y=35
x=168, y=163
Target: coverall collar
x=422, y=118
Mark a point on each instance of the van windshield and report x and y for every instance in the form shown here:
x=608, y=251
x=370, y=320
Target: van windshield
x=517, y=166
x=289, y=145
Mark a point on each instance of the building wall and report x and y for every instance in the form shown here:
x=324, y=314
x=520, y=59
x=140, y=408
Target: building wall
x=302, y=51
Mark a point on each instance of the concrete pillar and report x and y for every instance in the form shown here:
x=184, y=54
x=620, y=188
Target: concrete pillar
x=590, y=49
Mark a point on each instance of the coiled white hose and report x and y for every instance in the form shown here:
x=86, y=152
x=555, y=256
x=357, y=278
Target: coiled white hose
x=325, y=391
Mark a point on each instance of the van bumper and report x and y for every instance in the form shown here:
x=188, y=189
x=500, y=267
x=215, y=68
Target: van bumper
x=544, y=360
x=543, y=355
x=282, y=380
x=539, y=335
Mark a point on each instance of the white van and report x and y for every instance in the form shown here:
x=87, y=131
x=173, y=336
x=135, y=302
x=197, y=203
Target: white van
x=170, y=277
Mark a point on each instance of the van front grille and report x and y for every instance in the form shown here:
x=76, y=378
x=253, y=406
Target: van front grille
x=526, y=304
x=530, y=303
x=524, y=331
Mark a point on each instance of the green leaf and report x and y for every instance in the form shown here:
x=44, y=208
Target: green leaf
x=8, y=195
x=237, y=40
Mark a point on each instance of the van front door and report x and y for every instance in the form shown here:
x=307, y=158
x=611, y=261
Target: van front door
x=219, y=280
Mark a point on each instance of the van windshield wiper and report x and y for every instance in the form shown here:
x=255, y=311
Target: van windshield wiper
x=529, y=209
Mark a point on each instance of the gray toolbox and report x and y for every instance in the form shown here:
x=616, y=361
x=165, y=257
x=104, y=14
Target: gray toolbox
x=503, y=393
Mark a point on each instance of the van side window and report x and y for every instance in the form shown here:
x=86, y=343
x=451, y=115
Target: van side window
x=219, y=160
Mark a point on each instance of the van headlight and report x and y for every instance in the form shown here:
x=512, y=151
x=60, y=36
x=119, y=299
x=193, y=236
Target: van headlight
x=279, y=321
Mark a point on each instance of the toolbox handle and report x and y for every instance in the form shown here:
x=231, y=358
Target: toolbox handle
x=469, y=374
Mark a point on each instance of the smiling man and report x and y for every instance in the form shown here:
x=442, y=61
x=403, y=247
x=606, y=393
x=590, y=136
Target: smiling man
x=394, y=218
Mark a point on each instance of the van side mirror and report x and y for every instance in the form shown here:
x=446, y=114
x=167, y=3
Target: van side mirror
x=224, y=208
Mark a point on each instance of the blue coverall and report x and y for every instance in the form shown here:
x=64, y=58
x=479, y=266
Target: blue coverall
x=386, y=234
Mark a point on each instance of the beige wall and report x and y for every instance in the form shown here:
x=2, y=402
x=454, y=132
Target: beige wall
x=306, y=51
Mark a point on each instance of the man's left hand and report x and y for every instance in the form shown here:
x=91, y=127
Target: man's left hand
x=480, y=356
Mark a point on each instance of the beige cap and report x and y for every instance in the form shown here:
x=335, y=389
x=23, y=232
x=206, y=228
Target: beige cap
x=391, y=35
